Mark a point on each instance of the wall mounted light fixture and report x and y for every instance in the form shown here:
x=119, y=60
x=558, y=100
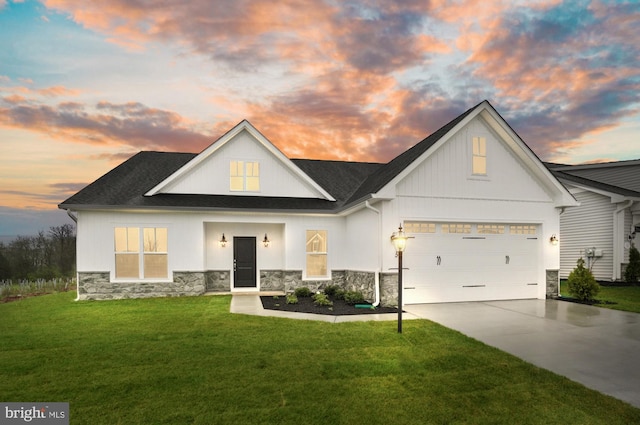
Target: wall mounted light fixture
x=223, y=241
x=553, y=239
x=266, y=241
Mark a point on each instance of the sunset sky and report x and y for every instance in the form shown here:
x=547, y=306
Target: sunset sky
x=85, y=85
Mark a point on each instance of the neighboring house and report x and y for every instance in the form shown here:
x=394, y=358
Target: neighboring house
x=606, y=223
x=479, y=204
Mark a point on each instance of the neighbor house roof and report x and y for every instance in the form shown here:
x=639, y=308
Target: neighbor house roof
x=621, y=177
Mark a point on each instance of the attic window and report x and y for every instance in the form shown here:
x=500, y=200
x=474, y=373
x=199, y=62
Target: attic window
x=479, y=157
x=244, y=176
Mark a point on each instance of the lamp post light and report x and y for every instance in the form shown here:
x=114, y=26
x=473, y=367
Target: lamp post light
x=399, y=240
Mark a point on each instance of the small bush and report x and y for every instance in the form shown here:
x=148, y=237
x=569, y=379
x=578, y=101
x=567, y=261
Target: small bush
x=292, y=299
x=302, y=292
x=322, y=299
x=331, y=290
x=632, y=272
x=581, y=283
x=339, y=294
x=353, y=297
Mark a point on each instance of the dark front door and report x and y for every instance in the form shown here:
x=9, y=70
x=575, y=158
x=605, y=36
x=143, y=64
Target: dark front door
x=244, y=262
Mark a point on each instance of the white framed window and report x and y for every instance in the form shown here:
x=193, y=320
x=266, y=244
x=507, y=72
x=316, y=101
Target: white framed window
x=419, y=227
x=479, y=156
x=491, y=229
x=152, y=264
x=523, y=229
x=456, y=228
x=244, y=176
x=316, y=251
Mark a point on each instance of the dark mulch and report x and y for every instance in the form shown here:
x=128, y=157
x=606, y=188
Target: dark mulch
x=306, y=305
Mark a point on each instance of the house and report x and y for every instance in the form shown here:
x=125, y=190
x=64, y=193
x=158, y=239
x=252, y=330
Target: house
x=602, y=229
x=241, y=216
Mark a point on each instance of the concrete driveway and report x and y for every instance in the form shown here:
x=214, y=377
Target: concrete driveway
x=597, y=347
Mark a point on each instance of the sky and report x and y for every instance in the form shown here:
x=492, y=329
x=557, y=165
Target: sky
x=85, y=85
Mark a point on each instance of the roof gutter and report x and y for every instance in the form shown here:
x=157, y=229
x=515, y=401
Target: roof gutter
x=73, y=217
x=377, y=274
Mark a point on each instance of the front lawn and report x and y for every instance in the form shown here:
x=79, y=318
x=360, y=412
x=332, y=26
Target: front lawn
x=189, y=361
x=626, y=298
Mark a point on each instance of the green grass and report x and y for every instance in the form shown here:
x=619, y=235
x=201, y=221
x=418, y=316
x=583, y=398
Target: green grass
x=189, y=361
x=626, y=298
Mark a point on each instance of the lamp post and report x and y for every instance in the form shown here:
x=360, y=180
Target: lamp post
x=399, y=240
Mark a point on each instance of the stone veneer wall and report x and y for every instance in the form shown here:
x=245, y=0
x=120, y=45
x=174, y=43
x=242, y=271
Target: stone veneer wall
x=389, y=289
x=96, y=286
x=218, y=280
x=553, y=283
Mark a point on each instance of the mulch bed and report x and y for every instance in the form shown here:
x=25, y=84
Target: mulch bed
x=306, y=305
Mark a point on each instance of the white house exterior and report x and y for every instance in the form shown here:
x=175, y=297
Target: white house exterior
x=602, y=229
x=479, y=204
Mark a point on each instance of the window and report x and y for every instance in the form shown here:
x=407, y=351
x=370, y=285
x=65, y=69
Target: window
x=128, y=246
x=316, y=249
x=244, y=176
x=491, y=229
x=479, y=161
x=456, y=228
x=521, y=229
x=419, y=227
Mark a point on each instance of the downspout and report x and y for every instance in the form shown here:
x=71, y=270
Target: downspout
x=75, y=220
x=377, y=273
x=617, y=255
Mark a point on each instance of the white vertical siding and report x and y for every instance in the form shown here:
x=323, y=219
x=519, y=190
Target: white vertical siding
x=211, y=177
x=589, y=225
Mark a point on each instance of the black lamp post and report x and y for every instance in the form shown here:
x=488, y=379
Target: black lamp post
x=399, y=240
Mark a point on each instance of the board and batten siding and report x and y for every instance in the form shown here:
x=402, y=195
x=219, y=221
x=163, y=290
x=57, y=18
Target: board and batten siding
x=211, y=177
x=587, y=226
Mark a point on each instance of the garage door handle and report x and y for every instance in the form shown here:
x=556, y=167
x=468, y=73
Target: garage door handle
x=507, y=259
x=438, y=260
x=409, y=287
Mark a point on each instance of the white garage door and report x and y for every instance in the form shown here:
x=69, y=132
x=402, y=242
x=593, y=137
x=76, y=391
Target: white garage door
x=449, y=262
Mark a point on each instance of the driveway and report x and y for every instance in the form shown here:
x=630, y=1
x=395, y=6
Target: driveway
x=597, y=347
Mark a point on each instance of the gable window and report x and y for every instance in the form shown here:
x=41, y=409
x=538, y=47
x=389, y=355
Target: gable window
x=479, y=156
x=316, y=249
x=153, y=246
x=244, y=176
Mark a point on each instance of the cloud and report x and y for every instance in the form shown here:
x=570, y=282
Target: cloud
x=130, y=124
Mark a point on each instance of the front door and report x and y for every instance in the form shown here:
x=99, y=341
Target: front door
x=244, y=262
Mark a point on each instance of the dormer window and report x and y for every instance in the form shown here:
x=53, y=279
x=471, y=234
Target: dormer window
x=244, y=176
x=479, y=156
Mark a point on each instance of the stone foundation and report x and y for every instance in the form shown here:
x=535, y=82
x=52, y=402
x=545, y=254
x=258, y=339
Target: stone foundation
x=553, y=283
x=389, y=289
x=96, y=286
x=218, y=280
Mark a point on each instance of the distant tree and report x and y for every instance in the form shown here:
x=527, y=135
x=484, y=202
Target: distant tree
x=581, y=283
x=5, y=267
x=632, y=272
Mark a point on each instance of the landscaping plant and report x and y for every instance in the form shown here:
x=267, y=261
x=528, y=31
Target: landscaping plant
x=302, y=292
x=292, y=299
x=632, y=272
x=581, y=283
x=322, y=299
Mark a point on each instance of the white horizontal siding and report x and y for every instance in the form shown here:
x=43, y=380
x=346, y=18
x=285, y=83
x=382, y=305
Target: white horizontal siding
x=586, y=226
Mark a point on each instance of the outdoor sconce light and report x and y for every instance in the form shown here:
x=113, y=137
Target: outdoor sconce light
x=553, y=239
x=399, y=240
x=266, y=241
x=223, y=241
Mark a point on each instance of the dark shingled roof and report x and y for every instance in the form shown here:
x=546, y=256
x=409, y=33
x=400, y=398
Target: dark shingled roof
x=622, y=177
x=348, y=182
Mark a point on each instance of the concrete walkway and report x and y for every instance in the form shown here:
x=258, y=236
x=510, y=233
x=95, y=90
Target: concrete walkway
x=597, y=347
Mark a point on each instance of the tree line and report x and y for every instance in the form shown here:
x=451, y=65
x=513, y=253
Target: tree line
x=47, y=255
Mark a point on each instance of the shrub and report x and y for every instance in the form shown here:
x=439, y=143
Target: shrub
x=331, y=290
x=353, y=297
x=632, y=272
x=339, y=295
x=292, y=299
x=302, y=292
x=581, y=283
x=322, y=299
